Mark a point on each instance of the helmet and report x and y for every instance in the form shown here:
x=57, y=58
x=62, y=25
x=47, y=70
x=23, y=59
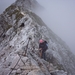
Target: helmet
x=41, y=41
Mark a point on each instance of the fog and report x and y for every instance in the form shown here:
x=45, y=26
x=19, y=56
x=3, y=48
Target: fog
x=59, y=15
x=4, y=4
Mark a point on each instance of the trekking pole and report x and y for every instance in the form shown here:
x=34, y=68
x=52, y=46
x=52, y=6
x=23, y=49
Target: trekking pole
x=40, y=53
x=27, y=46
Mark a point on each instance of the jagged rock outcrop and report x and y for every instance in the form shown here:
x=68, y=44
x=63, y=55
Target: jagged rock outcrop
x=21, y=30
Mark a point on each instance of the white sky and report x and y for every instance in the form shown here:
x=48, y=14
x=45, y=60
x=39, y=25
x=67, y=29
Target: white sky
x=4, y=4
x=59, y=16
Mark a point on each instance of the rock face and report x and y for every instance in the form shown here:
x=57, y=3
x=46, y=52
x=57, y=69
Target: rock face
x=20, y=31
x=28, y=4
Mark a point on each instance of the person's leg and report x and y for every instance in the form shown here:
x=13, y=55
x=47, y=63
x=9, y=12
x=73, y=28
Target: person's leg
x=43, y=55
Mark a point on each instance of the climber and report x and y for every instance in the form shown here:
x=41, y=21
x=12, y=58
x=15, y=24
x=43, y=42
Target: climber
x=42, y=48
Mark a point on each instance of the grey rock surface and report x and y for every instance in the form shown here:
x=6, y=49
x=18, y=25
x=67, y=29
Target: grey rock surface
x=19, y=55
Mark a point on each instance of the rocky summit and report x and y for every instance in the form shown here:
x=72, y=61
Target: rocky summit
x=20, y=31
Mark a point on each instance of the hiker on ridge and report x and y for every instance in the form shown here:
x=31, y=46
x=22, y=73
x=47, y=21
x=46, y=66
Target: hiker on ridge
x=42, y=48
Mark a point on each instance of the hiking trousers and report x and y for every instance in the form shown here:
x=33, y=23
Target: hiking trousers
x=43, y=55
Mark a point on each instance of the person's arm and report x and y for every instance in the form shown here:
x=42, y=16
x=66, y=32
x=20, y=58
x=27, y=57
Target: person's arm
x=40, y=47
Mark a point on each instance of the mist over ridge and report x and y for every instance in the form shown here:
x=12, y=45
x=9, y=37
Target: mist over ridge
x=59, y=16
x=21, y=29
x=4, y=4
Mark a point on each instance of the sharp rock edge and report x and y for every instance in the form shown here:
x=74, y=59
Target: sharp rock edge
x=19, y=55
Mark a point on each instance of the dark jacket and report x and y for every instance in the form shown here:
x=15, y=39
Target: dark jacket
x=43, y=46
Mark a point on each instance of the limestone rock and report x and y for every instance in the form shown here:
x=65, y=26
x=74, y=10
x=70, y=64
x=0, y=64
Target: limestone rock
x=15, y=62
x=59, y=72
x=38, y=72
x=19, y=55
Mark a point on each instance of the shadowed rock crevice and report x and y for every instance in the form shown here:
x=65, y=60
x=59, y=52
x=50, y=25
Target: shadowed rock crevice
x=19, y=55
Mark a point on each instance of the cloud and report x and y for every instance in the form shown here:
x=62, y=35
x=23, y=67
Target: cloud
x=59, y=15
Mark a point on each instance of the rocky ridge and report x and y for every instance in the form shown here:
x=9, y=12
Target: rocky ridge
x=20, y=33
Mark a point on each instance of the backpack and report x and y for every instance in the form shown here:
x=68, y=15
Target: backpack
x=46, y=45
